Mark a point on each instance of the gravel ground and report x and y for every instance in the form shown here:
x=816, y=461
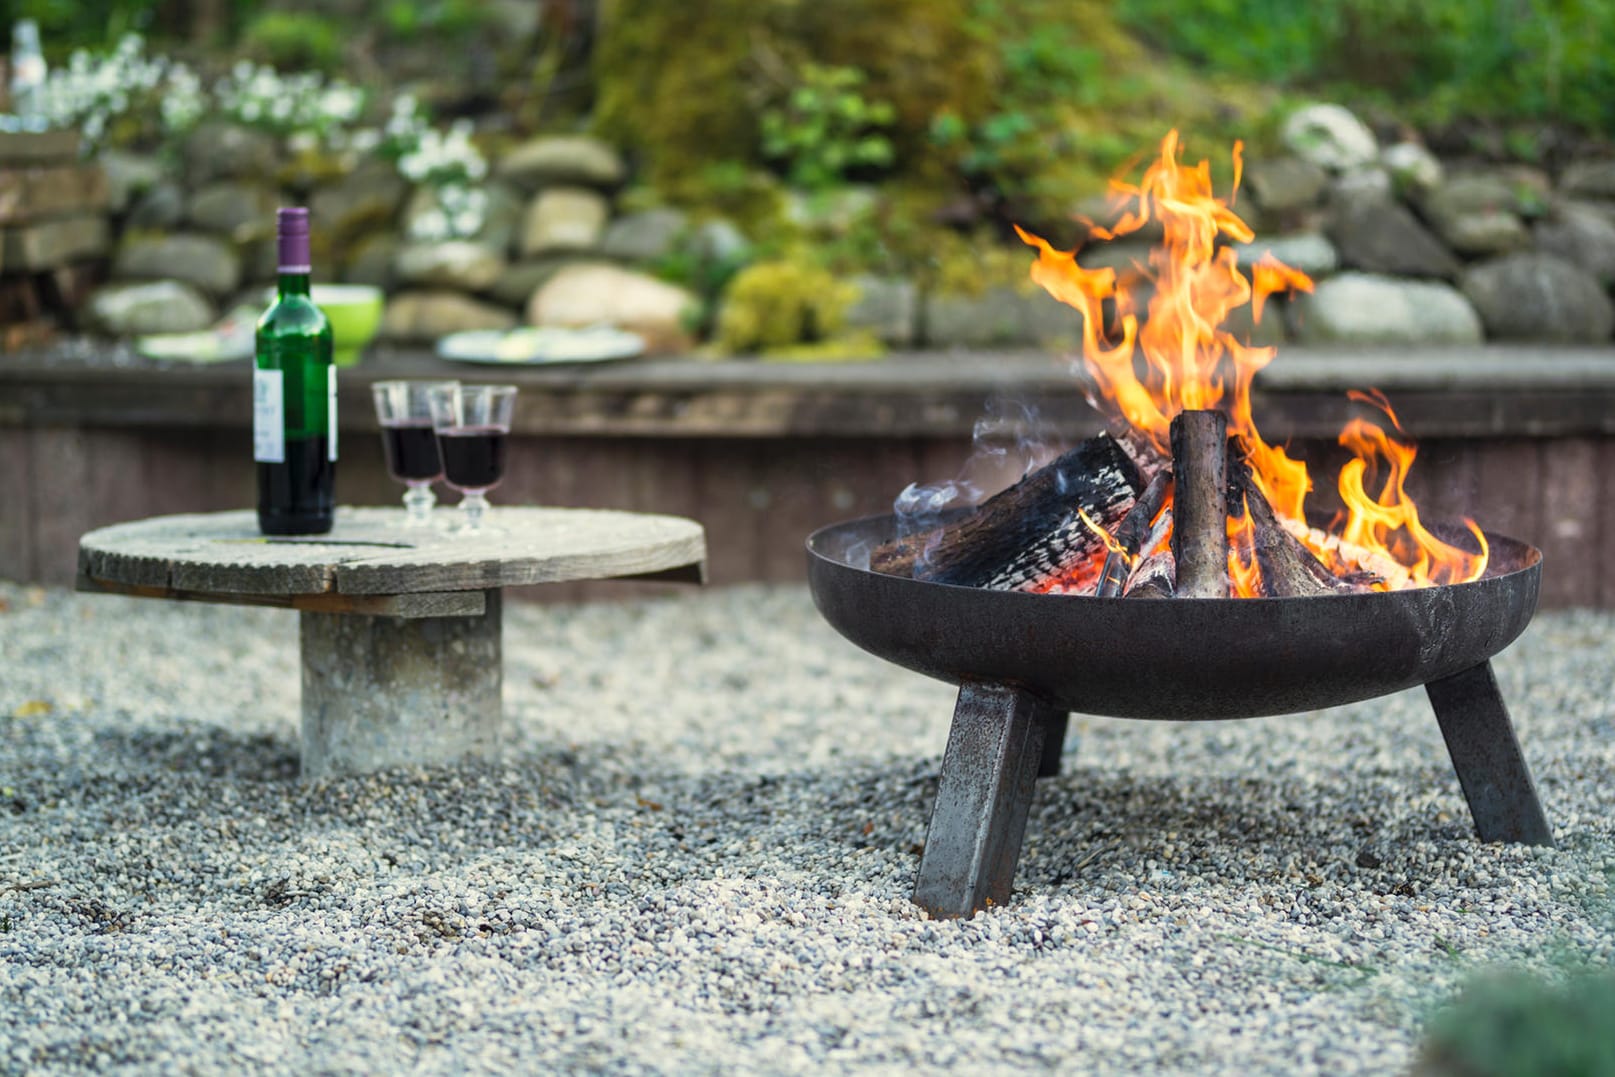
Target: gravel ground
x=697, y=859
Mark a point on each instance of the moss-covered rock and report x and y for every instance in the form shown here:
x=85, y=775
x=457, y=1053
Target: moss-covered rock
x=685, y=84
x=776, y=305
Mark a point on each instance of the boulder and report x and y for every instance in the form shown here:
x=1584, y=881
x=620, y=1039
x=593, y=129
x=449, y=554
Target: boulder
x=501, y=220
x=564, y=219
x=1532, y=296
x=235, y=210
x=1368, y=184
x=1589, y=179
x=999, y=316
x=1362, y=308
x=719, y=242
x=1285, y=184
x=162, y=207
x=561, y=160
x=164, y=306
x=518, y=282
x=373, y=260
x=128, y=176
x=430, y=315
x=1384, y=237
x=1241, y=323
x=455, y=263
x=1330, y=137
x=363, y=201
x=1412, y=168
x=646, y=236
x=1123, y=255
x=217, y=149
x=1474, y=214
x=1105, y=211
x=204, y=261
x=1580, y=234
x=887, y=307
x=592, y=293
x=1310, y=252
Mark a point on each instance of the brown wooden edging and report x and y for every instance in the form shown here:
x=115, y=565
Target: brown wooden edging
x=761, y=454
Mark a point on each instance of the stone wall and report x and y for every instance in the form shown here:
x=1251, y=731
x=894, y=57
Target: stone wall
x=1405, y=248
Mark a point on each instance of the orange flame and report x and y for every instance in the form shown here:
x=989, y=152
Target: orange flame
x=1244, y=574
x=1181, y=357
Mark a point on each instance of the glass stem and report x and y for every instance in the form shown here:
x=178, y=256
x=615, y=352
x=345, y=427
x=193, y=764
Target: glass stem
x=418, y=502
x=475, y=504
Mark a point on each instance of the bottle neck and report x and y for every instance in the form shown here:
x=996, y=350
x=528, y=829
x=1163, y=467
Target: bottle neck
x=293, y=283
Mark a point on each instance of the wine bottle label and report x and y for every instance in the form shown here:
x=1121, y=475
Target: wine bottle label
x=330, y=395
x=269, y=418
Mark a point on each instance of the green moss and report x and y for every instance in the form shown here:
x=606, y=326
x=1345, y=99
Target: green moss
x=843, y=348
x=780, y=304
x=686, y=84
x=293, y=39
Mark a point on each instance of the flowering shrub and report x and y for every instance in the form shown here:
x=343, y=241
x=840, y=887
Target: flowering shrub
x=448, y=162
x=304, y=104
x=127, y=97
x=93, y=94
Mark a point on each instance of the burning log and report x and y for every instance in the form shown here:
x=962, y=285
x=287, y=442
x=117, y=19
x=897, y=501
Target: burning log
x=1025, y=535
x=1135, y=527
x=1288, y=568
x=1199, y=503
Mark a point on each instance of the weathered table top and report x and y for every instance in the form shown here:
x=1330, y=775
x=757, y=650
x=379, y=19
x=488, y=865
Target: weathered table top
x=371, y=563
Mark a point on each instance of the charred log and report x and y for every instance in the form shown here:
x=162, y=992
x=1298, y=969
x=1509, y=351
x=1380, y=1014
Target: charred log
x=1135, y=527
x=1200, y=499
x=1288, y=568
x=1155, y=573
x=1029, y=533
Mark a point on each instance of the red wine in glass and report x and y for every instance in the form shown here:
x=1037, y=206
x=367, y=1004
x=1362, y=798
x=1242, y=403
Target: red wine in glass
x=411, y=449
x=473, y=456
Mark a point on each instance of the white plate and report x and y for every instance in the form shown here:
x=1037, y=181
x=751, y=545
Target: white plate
x=541, y=346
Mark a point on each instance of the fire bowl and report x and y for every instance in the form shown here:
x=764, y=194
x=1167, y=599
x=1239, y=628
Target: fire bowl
x=1023, y=662
x=1177, y=659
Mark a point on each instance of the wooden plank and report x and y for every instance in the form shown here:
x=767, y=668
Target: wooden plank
x=1605, y=548
x=726, y=506
x=62, y=503
x=18, y=516
x=1569, y=526
x=408, y=607
x=1508, y=491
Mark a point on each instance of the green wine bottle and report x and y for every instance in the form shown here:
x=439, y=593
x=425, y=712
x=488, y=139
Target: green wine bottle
x=294, y=398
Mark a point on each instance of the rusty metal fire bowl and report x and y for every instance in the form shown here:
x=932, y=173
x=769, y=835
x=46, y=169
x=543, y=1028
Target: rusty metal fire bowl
x=1023, y=661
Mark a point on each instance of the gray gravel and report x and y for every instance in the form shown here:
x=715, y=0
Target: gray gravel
x=697, y=857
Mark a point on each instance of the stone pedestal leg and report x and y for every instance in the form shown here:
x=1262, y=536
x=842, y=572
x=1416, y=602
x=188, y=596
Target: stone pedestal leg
x=1486, y=754
x=381, y=691
x=989, y=770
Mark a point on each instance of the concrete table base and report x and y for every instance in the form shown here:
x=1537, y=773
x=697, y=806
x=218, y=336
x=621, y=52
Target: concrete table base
x=380, y=691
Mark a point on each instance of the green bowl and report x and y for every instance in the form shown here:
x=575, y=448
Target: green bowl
x=354, y=311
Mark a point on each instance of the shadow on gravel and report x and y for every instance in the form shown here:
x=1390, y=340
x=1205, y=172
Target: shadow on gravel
x=206, y=751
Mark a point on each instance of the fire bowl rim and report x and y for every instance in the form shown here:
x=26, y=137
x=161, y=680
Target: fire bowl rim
x=1287, y=655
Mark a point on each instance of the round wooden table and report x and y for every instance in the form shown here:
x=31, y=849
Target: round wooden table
x=400, y=626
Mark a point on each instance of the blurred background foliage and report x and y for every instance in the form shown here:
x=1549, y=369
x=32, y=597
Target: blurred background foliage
x=893, y=135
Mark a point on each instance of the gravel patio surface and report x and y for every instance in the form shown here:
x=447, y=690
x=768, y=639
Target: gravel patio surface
x=696, y=859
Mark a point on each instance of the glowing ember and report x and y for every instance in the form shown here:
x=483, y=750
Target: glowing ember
x=1182, y=358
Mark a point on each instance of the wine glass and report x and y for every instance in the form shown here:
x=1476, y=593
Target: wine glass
x=404, y=410
x=473, y=425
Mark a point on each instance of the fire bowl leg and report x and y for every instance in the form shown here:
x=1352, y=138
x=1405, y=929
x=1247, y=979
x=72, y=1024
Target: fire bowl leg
x=383, y=691
x=1053, y=743
x=989, y=770
x=1486, y=754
